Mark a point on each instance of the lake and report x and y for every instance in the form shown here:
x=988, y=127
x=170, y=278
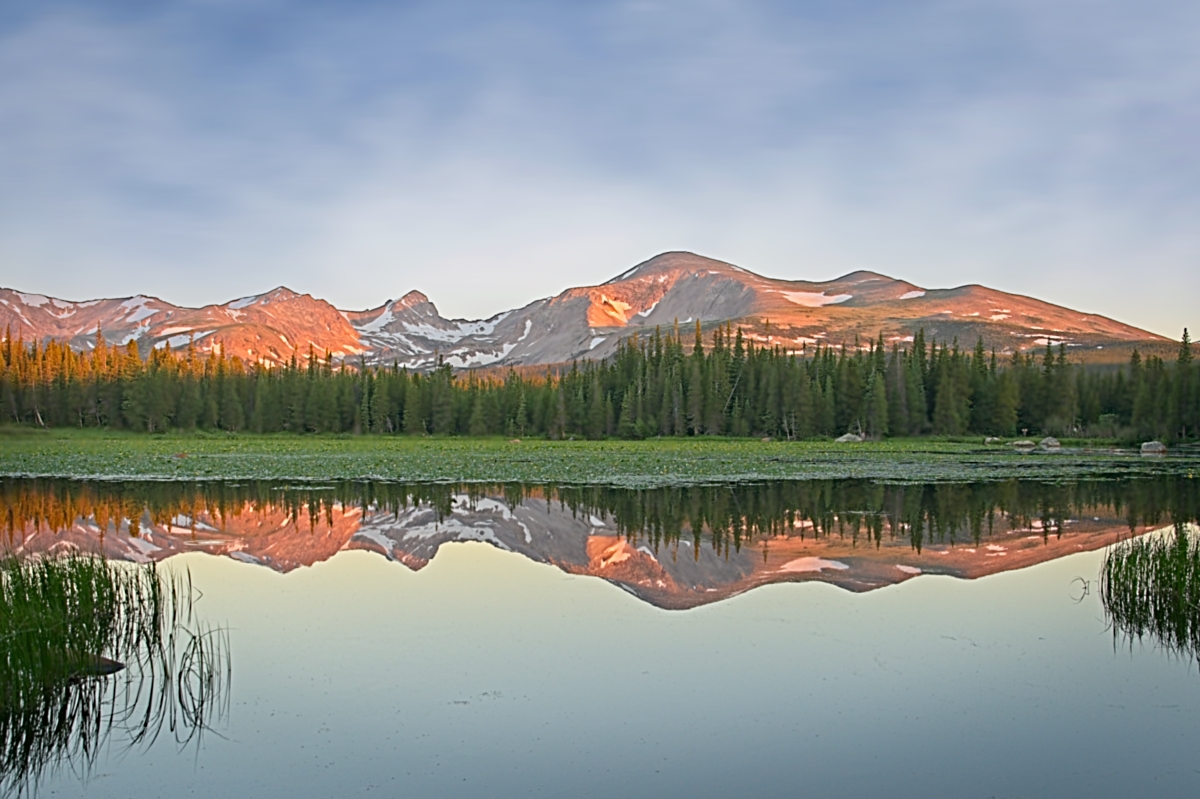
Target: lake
x=832, y=638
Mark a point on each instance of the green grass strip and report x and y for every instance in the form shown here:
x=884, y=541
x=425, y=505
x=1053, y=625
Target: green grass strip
x=98, y=455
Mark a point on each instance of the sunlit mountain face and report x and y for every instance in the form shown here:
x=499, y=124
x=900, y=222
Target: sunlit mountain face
x=675, y=547
x=671, y=289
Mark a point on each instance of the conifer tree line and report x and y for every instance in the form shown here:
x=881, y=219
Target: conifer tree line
x=654, y=385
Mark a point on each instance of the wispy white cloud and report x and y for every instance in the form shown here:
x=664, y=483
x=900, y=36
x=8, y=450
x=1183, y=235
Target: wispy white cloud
x=493, y=153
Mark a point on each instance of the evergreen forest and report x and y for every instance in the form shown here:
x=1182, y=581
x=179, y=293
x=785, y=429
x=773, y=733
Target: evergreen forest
x=655, y=385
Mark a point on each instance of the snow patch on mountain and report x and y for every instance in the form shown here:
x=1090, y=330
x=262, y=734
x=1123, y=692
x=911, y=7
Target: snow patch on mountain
x=378, y=323
x=811, y=564
x=815, y=299
x=181, y=340
x=431, y=332
x=912, y=295
x=134, y=335
x=449, y=335
x=33, y=300
x=648, y=311
x=137, y=310
x=244, y=302
x=140, y=314
x=465, y=358
x=480, y=327
x=626, y=275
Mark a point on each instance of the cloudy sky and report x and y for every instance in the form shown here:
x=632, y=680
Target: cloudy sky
x=489, y=153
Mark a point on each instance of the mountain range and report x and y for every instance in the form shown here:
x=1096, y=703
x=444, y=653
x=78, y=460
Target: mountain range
x=674, y=288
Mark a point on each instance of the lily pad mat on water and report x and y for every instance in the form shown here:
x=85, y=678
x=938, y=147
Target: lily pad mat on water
x=653, y=462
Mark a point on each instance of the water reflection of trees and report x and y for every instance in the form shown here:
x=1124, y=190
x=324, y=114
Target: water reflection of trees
x=728, y=516
x=98, y=654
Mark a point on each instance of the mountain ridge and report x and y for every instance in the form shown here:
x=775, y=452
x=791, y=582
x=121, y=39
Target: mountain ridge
x=580, y=322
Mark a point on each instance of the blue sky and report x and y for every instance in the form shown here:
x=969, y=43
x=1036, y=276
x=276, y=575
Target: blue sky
x=492, y=153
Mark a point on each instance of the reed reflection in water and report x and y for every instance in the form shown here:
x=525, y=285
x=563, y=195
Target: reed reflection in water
x=98, y=654
x=1150, y=588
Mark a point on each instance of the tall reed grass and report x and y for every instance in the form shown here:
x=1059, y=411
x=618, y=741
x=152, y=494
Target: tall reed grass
x=1150, y=588
x=67, y=623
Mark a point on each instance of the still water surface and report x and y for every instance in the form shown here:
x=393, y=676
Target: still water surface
x=459, y=643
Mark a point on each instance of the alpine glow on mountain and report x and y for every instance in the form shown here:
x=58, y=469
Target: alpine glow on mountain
x=674, y=288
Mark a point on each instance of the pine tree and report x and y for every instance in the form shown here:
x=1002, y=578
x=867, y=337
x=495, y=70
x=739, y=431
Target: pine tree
x=595, y=412
x=414, y=424
x=477, y=426
x=876, y=403
x=1183, y=405
x=946, y=417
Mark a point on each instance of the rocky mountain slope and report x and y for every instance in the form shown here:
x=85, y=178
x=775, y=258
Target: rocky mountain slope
x=672, y=288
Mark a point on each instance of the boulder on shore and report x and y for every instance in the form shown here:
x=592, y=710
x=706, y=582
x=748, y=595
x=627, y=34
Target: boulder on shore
x=849, y=438
x=1154, y=448
x=1049, y=442
x=1023, y=444
x=993, y=440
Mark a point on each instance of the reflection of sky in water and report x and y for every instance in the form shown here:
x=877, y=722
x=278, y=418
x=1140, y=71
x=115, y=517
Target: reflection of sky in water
x=488, y=675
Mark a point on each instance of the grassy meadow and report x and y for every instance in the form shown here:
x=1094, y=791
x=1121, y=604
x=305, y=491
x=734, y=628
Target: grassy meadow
x=94, y=454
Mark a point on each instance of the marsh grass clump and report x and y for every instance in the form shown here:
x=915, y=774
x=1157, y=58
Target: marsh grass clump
x=89, y=648
x=59, y=616
x=1150, y=588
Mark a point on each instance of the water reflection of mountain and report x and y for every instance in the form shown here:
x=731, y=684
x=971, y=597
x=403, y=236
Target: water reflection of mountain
x=673, y=547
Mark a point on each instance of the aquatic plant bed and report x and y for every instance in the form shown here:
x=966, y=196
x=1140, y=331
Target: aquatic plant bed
x=1150, y=587
x=98, y=657
x=96, y=455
